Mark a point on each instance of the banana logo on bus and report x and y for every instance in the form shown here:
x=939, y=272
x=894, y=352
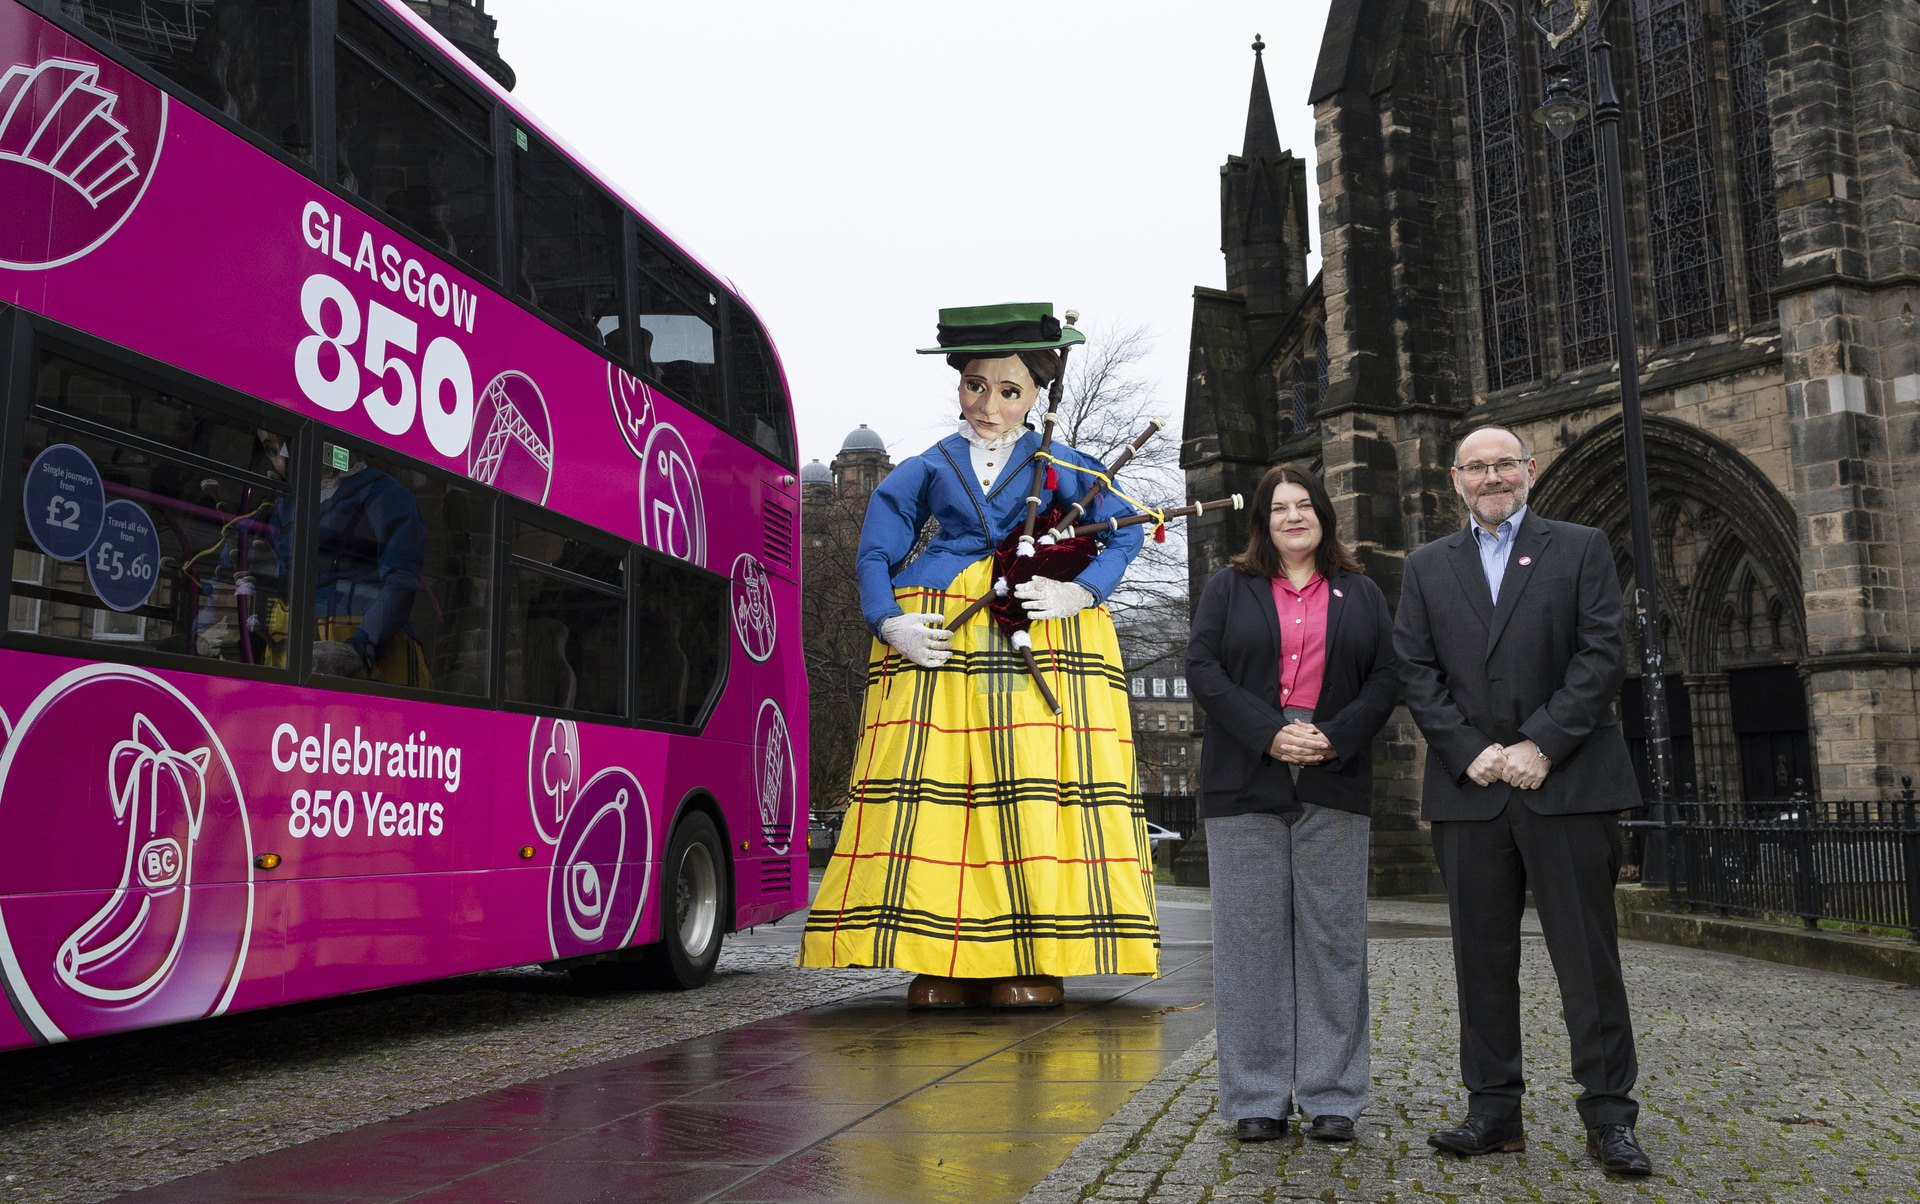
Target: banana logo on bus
x=123, y=950
x=140, y=911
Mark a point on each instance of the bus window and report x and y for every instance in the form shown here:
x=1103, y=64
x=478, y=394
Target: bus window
x=412, y=143
x=565, y=621
x=756, y=405
x=403, y=574
x=173, y=503
x=246, y=58
x=569, y=257
x=677, y=312
x=683, y=632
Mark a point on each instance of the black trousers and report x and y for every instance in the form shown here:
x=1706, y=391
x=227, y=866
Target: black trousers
x=1571, y=863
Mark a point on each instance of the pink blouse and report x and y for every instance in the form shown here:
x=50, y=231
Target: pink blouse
x=1303, y=639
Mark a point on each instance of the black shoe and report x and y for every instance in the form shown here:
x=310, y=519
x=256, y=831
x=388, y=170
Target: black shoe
x=1260, y=1128
x=1617, y=1151
x=1331, y=1128
x=1481, y=1135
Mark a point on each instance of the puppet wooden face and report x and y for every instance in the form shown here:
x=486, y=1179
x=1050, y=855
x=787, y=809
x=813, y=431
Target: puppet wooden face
x=996, y=394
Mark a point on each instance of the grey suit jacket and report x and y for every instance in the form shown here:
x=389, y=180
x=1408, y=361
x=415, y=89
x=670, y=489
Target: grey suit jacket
x=1544, y=665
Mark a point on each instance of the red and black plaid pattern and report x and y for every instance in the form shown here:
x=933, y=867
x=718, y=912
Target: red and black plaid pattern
x=988, y=837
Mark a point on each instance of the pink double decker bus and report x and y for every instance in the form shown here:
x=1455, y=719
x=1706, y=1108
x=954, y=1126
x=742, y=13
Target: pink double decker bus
x=405, y=533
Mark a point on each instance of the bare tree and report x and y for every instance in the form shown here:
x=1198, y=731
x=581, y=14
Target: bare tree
x=1105, y=404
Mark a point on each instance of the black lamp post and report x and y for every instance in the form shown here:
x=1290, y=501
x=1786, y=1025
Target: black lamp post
x=1560, y=113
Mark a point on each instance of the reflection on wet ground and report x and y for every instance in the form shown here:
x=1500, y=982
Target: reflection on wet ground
x=858, y=1100
x=861, y=1100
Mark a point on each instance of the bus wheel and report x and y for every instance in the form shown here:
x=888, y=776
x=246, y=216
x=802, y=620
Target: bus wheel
x=691, y=907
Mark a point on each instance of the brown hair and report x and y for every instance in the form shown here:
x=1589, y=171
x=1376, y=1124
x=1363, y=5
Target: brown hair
x=1262, y=559
x=1043, y=366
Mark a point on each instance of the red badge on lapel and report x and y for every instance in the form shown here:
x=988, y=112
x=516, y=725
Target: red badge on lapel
x=1525, y=561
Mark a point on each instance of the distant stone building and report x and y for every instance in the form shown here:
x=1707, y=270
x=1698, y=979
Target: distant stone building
x=833, y=502
x=1166, y=744
x=1773, y=188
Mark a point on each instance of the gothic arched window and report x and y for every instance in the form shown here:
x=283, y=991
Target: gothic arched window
x=1497, y=125
x=1703, y=228
x=1304, y=395
x=1682, y=202
x=1753, y=156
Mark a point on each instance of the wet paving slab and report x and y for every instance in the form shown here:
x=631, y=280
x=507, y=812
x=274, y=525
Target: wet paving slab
x=857, y=1100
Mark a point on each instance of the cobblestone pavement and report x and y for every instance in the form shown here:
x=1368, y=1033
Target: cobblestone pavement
x=1758, y=1082
x=90, y=1120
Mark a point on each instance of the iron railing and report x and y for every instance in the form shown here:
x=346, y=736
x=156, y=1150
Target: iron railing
x=1854, y=862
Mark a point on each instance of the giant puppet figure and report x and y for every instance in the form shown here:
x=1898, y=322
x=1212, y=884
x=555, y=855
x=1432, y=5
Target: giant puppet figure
x=993, y=842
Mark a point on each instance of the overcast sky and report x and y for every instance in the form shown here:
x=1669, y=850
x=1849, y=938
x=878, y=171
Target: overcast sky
x=854, y=166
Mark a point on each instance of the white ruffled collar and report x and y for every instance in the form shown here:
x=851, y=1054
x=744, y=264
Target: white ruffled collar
x=1000, y=442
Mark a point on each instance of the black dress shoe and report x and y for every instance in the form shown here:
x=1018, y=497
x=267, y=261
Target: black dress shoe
x=1260, y=1128
x=1331, y=1128
x=1481, y=1135
x=1617, y=1151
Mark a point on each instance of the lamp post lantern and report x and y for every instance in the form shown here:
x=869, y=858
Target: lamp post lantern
x=1560, y=113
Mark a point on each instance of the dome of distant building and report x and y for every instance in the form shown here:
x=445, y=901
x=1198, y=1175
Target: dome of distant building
x=863, y=440
x=816, y=473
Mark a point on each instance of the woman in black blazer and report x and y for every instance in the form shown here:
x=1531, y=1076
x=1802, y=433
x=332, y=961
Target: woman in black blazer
x=1292, y=660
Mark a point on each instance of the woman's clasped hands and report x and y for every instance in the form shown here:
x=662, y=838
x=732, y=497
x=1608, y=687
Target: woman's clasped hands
x=1301, y=743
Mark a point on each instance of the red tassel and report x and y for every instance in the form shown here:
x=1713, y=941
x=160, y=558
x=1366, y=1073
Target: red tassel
x=1160, y=533
x=1053, y=478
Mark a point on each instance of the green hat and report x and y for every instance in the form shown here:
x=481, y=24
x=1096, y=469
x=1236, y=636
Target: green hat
x=1003, y=329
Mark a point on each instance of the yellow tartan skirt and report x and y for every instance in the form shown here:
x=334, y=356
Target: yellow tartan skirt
x=987, y=837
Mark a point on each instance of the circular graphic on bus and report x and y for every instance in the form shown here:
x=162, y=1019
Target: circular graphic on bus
x=512, y=445
x=553, y=774
x=130, y=881
x=753, y=618
x=774, y=779
x=125, y=565
x=600, y=867
x=632, y=406
x=672, y=517
x=78, y=144
x=64, y=501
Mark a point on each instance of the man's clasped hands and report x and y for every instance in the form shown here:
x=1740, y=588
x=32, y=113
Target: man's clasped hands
x=1522, y=766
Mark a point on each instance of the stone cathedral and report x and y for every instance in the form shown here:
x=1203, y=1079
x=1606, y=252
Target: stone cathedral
x=1772, y=174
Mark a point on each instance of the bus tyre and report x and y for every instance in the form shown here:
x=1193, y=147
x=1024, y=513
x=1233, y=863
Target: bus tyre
x=692, y=910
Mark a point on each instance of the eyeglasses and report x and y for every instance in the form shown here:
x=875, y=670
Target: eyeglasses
x=1477, y=471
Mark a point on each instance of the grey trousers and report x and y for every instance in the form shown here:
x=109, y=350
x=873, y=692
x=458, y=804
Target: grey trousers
x=1290, y=962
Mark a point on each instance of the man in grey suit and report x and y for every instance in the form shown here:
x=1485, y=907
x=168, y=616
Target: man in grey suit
x=1509, y=634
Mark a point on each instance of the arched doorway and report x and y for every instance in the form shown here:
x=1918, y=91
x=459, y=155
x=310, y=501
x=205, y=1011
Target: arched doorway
x=1734, y=614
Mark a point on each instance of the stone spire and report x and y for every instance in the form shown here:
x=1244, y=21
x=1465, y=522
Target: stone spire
x=1263, y=136
x=1263, y=215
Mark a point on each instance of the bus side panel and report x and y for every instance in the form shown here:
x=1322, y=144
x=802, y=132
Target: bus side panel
x=176, y=845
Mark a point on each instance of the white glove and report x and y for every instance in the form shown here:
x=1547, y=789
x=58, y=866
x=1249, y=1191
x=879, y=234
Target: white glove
x=919, y=638
x=337, y=658
x=1048, y=599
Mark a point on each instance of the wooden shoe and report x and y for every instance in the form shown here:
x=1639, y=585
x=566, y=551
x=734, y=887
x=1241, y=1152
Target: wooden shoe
x=1032, y=991
x=933, y=991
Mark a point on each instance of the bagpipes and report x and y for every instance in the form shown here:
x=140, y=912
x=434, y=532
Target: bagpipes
x=1066, y=548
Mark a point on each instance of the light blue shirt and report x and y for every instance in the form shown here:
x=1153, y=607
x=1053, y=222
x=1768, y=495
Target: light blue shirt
x=1495, y=547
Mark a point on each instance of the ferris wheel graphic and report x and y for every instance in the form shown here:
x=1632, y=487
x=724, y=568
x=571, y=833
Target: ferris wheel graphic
x=513, y=444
